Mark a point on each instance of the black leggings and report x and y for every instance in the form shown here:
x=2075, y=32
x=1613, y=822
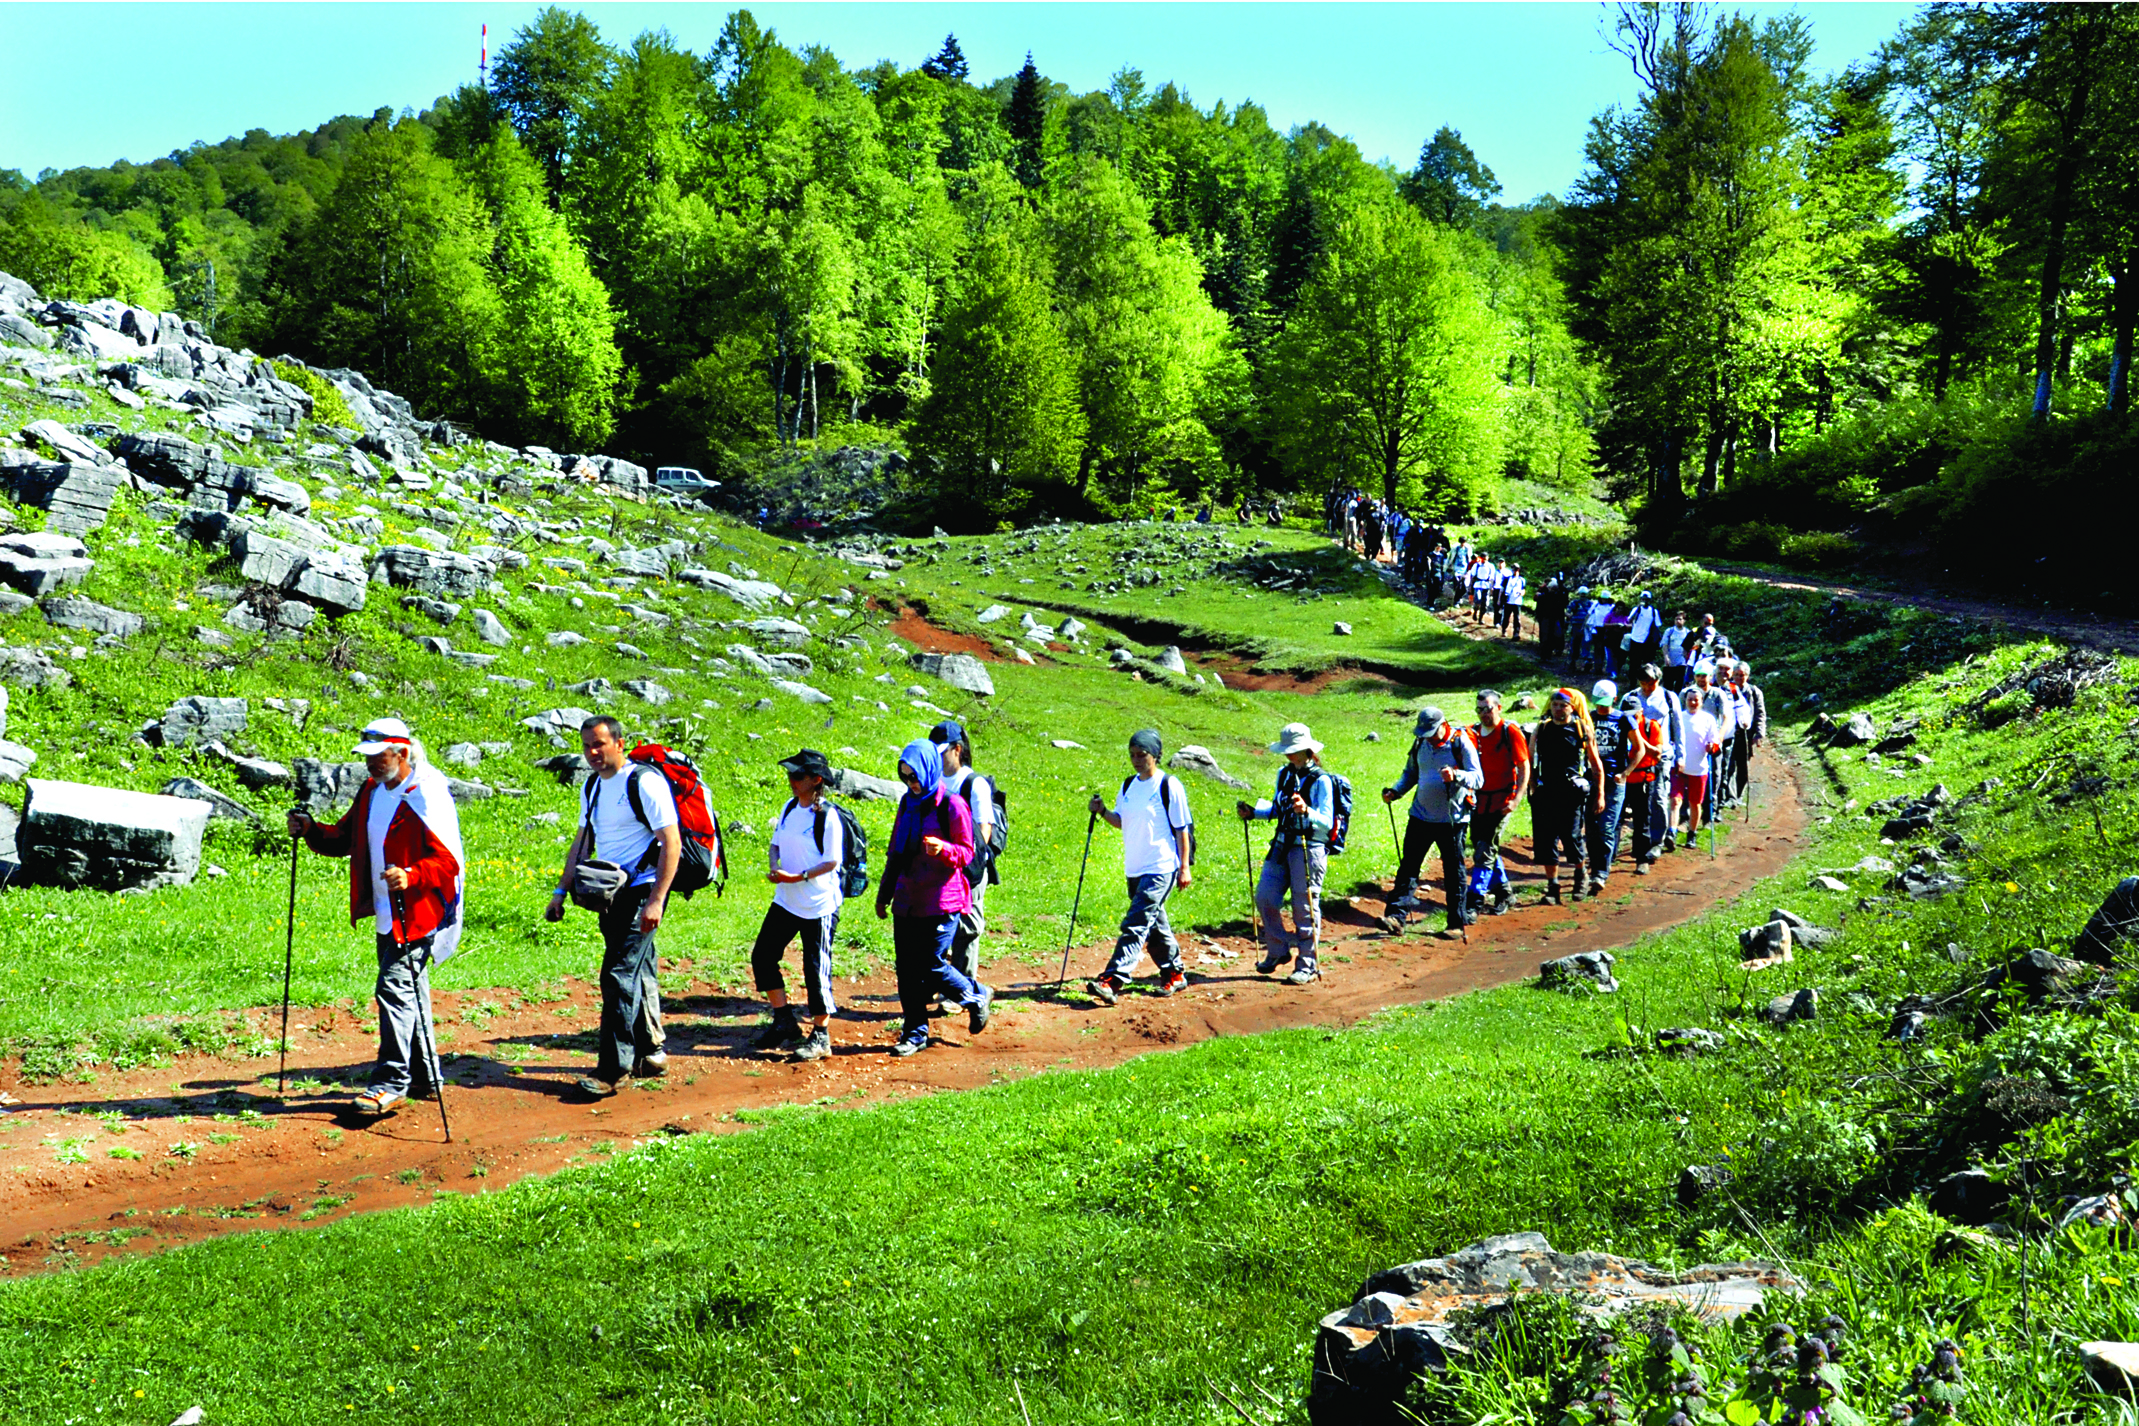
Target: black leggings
x=1556, y=825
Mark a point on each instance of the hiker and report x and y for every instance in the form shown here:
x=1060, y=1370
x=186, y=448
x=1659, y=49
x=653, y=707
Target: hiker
x=1511, y=603
x=1551, y=614
x=1578, y=627
x=1304, y=808
x=1569, y=779
x=1644, y=779
x=1622, y=746
x=1661, y=707
x=808, y=845
x=1674, y=650
x=960, y=780
x=1151, y=813
x=1700, y=740
x=1645, y=627
x=1443, y=767
x=1718, y=706
x=628, y=820
x=402, y=839
x=1752, y=704
x=1504, y=764
x=924, y=891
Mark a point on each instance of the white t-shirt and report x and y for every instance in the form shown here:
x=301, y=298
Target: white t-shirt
x=385, y=801
x=1700, y=731
x=1675, y=645
x=1644, y=622
x=1147, y=828
x=619, y=836
x=1513, y=590
x=794, y=848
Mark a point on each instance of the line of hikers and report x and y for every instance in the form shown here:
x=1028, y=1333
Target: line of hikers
x=647, y=831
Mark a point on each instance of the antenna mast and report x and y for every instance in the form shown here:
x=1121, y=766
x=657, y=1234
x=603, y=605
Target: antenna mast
x=482, y=66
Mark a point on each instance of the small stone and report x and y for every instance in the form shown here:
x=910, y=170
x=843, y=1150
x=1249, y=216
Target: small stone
x=1341, y=628
x=1827, y=883
x=1066, y=745
x=2113, y=1366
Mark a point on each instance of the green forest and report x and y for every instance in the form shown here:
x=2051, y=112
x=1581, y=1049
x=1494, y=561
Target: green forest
x=1781, y=314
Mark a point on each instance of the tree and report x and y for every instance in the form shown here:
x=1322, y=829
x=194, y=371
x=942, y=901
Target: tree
x=1001, y=432
x=547, y=79
x=948, y=63
x=557, y=361
x=1026, y=119
x=1450, y=185
x=1384, y=376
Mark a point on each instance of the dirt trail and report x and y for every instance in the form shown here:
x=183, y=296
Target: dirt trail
x=2115, y=636
x=256, y=1160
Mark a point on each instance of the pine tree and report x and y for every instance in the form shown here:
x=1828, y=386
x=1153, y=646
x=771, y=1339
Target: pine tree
x=948, y=63
x=1027, y=119
x=1450, y=185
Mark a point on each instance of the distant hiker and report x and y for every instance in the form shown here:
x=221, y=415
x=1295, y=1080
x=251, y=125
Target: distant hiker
x=406, y=868
x=627, y=820
x=1673, y=645
x=1552, y=615
x=1570, y=776
x=1504, y=764
x=1511, y=603
x=1577, y=646
x=808, y=845
x=1443, y=767
x=1662, y=708
x=1644, y=780
x=1720, y=707
x=1151, y=813
x=1701, y=739
x=1645, y=627
x=924, y=891
x=1623, y=745
x=1304, y=808
x=1752, y=703
x=960, y=780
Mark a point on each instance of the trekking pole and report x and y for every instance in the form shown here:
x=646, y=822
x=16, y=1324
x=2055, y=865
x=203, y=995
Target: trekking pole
x=1394, y=840
x=289, y=955
x=1247, y=863
x=423, y=1020
x=1090, y=822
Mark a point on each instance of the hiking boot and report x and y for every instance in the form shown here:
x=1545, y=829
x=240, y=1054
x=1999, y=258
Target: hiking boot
x=1393, y=923
x=1103, y=990
x=1641, y=868
x=1305, y=975
x=652, y=1066
x=816, y=1045
x=1451, y=933
x=913, y=1042
x=1503, y=902
x=594, y=1088
x=1581, y=886
x=783, y=1032
x=1173, y=982
x=1671, y=841
x=1552, y=892
x=1596, y=887
x=980, y=1012
x=1268, y=965
x=378, y=1103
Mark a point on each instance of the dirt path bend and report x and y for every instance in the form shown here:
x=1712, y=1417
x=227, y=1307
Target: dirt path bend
x=2114, y=636
x=155, y=1157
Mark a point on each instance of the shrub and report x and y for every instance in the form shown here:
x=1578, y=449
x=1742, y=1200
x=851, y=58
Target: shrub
x=328, y=407
x=1819, y=548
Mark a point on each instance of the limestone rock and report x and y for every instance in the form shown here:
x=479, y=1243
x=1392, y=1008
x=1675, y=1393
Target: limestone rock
x=1583, y=971
x=491, y=630
x=564, y=638
x=437, y=572
x=464, y=755
x=1195, y=758
x=1791, y=1008
x=862, y=787
x=438, y=610
x=273, y=616
x=992, y=613
x=220, y=807
x=801, y=690
x=647, y=689
x=563, y=721
x=255, y=773
x=15, y=761
x=1170, y=659
x=1341, y=629
x=75, y=834
x=779, y=631
x=74, y=612
x=30, y=668
x=1857, y=732
x=321, y=784
x=76, y=497
x=196, y=719
x=42, y=562
x=1689, y=1040
x=960, y=671
x=753, y=594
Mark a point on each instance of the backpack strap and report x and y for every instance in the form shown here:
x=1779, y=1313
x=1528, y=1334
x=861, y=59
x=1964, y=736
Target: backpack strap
x=819, y=809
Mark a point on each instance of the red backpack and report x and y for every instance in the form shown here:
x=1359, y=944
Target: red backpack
x=705, y=855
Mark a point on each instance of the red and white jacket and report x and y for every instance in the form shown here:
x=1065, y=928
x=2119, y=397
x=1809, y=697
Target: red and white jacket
x=423, y=839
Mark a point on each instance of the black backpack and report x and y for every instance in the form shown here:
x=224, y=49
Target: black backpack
x=1166, y=806
x=1340, y=805
x=854, y=853
x=985, y=854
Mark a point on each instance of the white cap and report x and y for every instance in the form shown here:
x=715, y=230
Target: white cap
x=1602, y=692
x=385, y=733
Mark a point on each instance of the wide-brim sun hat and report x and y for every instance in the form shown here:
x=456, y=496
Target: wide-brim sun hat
x=381, y=735
x=1295, y=738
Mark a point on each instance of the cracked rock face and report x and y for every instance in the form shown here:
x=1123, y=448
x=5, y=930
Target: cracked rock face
x=1397, y=1326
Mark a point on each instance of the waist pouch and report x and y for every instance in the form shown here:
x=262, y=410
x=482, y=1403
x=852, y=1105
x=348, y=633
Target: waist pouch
x=595, y=884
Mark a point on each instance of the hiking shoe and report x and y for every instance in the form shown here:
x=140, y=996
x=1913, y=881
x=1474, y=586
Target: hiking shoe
x=1596, y=888
x=980, y=1012
x=1305, y=975
x=1393, y=923
x=815, y=1045
x=651, y=1066
x=1269, y=964
x=1450, y=933
x=1641, y=868
x=913, y=1042
x=1552, y=893
x=1172, y=983
x=1671, y=841
x=1103, y=990
x=784, y=1031
x=378, y=1103
x=594, y=1088
x=1503, y=902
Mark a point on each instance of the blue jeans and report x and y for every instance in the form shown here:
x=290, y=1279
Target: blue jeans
x=921, y=955
x=1145, y=924
x=1604, y=828
x=1298, y=870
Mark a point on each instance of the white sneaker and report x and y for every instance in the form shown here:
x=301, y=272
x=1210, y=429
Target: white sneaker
x=1306, y=975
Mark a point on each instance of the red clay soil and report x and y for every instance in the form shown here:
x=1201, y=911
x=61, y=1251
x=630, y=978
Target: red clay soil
x=1239, y=673
x=220, y=1152
x=912, y=626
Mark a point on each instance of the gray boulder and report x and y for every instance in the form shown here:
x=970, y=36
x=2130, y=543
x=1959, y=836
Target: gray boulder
x=1858, y=731
x=76, y=497
x=255, y=773
x=437, y=572
x=31, y=668
x=15, y=761
x=66, y=444
x=321, y=784
x=1170, y=659
x=315, y=576
x=862, y=787
x=464, y=755
x=220, y=807
x=17, y=330
x=280, y=494
x=274, y=616
x=1583, y=971
x=1791, y=1008
x=1195, y=758
x=438, y=610
x=960, y=671
x=491, y=630
x=802, y=691
x=42, y=562
x=195, y=720
x=1689, y=1040
x=74, y=612
x=779, y=631
x=77, y=835
x=753, y=594
x=647, y=689
x=562, y=721
x=3, y=710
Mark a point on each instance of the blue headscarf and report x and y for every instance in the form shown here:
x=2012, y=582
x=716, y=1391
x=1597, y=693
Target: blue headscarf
x=926, y=760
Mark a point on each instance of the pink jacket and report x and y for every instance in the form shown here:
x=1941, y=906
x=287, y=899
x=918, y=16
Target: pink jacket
x=922, y=885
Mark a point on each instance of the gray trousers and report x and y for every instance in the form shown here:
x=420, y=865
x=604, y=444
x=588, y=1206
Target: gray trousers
x=972, y=924
x=403, y=995
x=1144, y=926
x=1298, y=870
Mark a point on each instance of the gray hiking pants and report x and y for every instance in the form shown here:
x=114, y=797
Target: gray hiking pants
x=1144, y=926
x=1298, y=870
x=404, y=995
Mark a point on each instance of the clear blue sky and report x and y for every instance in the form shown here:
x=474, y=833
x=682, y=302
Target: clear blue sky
x=93, y=83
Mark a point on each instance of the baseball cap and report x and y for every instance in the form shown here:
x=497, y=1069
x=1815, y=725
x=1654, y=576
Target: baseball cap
x=947, y=732
x=806, y=763
x=378, y=736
